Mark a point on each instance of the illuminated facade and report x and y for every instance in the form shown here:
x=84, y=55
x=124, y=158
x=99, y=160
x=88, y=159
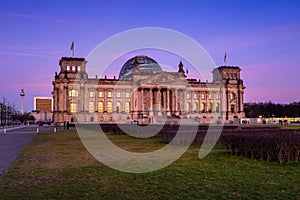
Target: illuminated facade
x=145, y=93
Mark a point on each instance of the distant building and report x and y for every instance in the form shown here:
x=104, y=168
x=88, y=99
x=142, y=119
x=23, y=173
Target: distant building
x=44, y=104
x=7, y=115
x=145, y=93
x=43, y=109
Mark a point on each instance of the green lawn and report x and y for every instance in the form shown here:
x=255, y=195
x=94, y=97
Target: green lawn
x=57, y=166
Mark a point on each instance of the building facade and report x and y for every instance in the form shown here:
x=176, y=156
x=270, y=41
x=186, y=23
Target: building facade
x=42, y=109
x=145, y=93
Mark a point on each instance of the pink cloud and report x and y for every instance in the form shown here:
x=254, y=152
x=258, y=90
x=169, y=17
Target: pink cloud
x=29, y=16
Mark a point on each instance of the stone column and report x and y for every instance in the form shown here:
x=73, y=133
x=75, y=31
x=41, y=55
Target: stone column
x=159, y=101
x=199, y=101
x=168, y=102
x=86, y=99
x=114, y=100
x=241, y=102
x=192, y=101
x=123, y=101
x=184, y=101
x=142, y=100
x=65, y=98
x=223, y=103
x=176, y=101
x=56, y=100
x=151, y=99
x=164, y=107
x=206, y=102
x=172, y=101
x=96, y=99
x=105, y=100
x=213, y=108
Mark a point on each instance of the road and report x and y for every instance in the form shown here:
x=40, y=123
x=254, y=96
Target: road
x=12, y=142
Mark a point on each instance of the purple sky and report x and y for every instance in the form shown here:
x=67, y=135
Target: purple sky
x=262, y=37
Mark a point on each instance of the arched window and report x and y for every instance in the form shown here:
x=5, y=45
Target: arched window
x=232, y=96
x=195, y=107
x=100, y=107
x=232, y=108
x=73, y=107
x=109, y=107
x=118, y=106
x=209, y=107
x=202, y=107
x=188, y=107
x=73, y=93
x=91, y=107
x=127, y=107
x=217, y=107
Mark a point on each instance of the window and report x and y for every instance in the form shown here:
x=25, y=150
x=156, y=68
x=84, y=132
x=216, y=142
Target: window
x=209, y=96
x=109, y=94
x=188, y=107
x=195, y=95
x=232, y=108
x=195, y=107
x=100, y=94
x=202, y=95
x=188, y=96
x=202, y=107
x=73, y=107
x=118, y=107
x=91, y=107
x=109, y=107
x=73, y=68
x=217, y=107
x=78, y=68
x=127, y=107
x=217, y=96
x=91, y=119
x=73, y=93
x=100, y=107
x=127, y=94
x=68, y=68
x=119, y=95
x=232, y=96
x=91, y=94
x=209, y=107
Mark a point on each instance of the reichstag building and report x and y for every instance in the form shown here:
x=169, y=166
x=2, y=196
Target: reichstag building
x=144, y=93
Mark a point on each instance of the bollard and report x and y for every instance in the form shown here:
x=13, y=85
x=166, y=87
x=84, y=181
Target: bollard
x=4, y=131
x=37, y=130
x=54, y=130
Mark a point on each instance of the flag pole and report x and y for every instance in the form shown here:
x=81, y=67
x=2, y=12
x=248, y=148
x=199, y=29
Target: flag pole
x=72, y=48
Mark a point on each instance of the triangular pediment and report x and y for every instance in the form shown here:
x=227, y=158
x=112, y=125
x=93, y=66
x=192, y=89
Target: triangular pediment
x=165, y=79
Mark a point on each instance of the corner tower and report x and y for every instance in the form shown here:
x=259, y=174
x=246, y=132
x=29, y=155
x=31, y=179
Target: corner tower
x=71, y=70
x=232, y=92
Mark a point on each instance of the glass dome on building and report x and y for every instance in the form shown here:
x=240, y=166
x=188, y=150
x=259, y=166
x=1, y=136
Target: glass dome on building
x=145, y=64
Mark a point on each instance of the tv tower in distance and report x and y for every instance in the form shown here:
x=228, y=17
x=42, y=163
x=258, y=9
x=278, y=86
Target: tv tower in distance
x=22, y=94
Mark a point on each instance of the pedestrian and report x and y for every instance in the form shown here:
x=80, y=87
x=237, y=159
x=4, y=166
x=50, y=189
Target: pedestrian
x=68, y=125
